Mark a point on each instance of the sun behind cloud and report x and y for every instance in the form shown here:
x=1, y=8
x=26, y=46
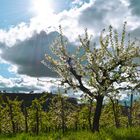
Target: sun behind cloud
x=42, y=8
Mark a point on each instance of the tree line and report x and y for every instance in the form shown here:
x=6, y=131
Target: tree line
x=62, y=115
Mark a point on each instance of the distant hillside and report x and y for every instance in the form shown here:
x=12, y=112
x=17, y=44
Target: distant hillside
x=28, y=98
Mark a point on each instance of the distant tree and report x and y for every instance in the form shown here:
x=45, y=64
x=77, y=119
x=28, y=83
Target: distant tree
x=116, y=110
x=73, y=119
x=25, y=114
x=35, y=113
x=133, y=89
x=136, y=113
x=88, y=103
x=1, y=113
x=60, y=108
x=96, y=71
x=13, y=109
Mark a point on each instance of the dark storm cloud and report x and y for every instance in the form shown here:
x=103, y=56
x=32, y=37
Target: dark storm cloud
x=135, y=6
x=27, y=55
x=135, y=33
x=94, y=15
x=2, y=45
x=99, y=14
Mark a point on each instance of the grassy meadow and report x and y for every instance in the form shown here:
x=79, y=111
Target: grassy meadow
x=105, y=134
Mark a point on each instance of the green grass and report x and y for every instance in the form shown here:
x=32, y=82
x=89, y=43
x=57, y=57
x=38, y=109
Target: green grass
x=106, y=134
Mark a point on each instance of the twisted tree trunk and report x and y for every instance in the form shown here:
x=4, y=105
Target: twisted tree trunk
x=97, y=113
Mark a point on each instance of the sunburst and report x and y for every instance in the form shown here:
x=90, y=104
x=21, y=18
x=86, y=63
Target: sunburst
x=42, y=8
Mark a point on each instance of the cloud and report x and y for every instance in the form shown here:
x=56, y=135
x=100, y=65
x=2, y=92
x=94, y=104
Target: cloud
x=97, y=15
x=135, y=6
x=79, y=3
x=136, y=33
x=100, y=14
x=24, y=84
x=27, y=54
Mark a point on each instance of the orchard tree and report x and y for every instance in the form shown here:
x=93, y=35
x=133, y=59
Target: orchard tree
x=2, y=113
x=96, y=70
x=60, y=109
x=136, y=113
x=35, y=113
x=89, y=108
x=12, y=109
x=129, y=108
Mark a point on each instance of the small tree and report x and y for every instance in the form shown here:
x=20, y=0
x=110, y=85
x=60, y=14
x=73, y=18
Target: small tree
x=60, y=109
x=2, y=113
x=129, y=108
x=136, y=113
x=15, y=115
x=96, y=70
x=35, y=113
x=87, y=104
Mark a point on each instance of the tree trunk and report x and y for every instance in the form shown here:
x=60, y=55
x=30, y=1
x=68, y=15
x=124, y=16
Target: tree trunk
x=130, y=112
x=26, y=119
x=0, y=129
x=12, y=118
x=116, y=118
x=37, y=121
x=62, y=115
x=97, y=113
x=89, y=114
x=76, y=125
x=127, y=113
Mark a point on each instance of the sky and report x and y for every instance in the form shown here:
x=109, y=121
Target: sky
x=28, y=27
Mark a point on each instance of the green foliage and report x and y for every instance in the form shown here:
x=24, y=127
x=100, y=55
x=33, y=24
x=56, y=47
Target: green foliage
x=36, y=115
x=73, y=117
x=108, y=116
x=11, y=116
x=61, y=111
x=136, y=113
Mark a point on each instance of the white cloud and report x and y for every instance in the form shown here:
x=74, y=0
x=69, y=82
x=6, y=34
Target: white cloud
x=97, y=15
x=25, y=84
x=94, y=15
x=24, y=31
x=13, y=69
x=78, y=2
x=5, y=82
x=14, y=34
